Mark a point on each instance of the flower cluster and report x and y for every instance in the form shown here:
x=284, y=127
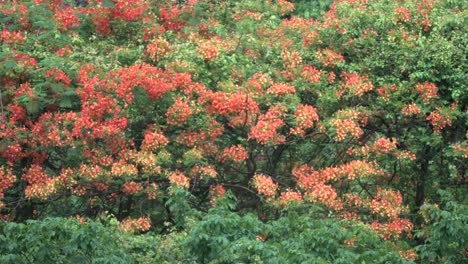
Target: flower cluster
x=265, y=185
x=411, y=109
x=345, y=127
x=402, y=14
x=222, y=103
x=67, y=18
x=461, y=149
x=311, y=74
x=290, y=196
x=179, y=180
x=387, y=203
x=329, y=57
x=129, y=10
x=42, y=190
x=208, y=51
x=153, y=140
x=427, y=91
x=236, y=153
x=439, y=120
x=305, y=117
x=152, y=191
x=291, y=59
x=392, y=229
x=216, y=191
x=158, y=49
x=178, y=113
x=279, y=89
x=285, y=7
x=265, y=130
x=6, y=181
x=9, y=37
x=326, y=195
x=132, y=187
x=134, y=225
x=356, y=84
x=122, y=168
x=204, y=171
x=58, y=75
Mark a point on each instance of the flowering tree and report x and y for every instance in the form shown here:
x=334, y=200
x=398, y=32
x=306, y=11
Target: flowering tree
x=146, y=109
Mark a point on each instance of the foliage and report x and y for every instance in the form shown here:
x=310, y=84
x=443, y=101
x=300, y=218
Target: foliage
x=445, y=231
x=60, y=240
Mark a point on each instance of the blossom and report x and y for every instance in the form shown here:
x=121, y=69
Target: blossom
x=179, y=180
x=134, y=225
x=290, y=196
x=265, y=185
x=178, y=113
x=236, y=153
x=279, y=89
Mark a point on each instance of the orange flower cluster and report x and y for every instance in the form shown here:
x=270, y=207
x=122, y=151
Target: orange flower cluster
x=59, y=75
x=358, y=168
x=134, y=225
x=153, y=140
x=178, y=113
x=67, y=18
x=11, y=37
x=208, y=51
x=122, y=168
x=265, y=130
x=291, y=59
x=6, y=181
x=402, y=14
x=385, y=92
x=179, y=180
x=379, y=147
x=129, y=10
x=408, y=155
x=290, y=196
x=280, y=89
x=285, y=7
x=307, y=177
x=311, y=74
x=384, y=145
x=158, y=49
x=265, y=185
x=387, y=203
x=42, y=190
x=305, y=117
x=65, y=51
x=204, y=171
x=427, y=91
x=461, y=149
x=132, y=187
x=152, y=191
x=258, y=83
x=411, y=109
x=345, y=127
x=329, y=57
x=222, y=103
x=216, y=191
x=408, y=254
x=439, y=120
x=191, y=138
x=326, y=195
x=392, y=229
x=89, y=171
x=356, y=84
x=236, y=153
